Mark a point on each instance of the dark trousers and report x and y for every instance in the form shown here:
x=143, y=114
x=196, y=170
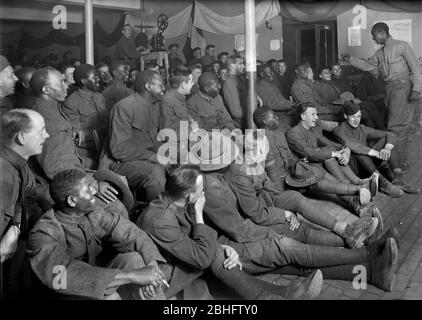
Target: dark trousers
x=273, y=252
x=370, y=164
x=400, y=114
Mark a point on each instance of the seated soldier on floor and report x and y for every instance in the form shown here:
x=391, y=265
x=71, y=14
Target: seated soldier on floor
x=303, y=91
x=176, y=224
x=72, y=236
x=273, y=99
x=285, y=161
x=371, y=116
x=134, y=123
x=307, y=141
x=207, y=107
x=256, y=193
x=86, y=110
x=369, y=145
x=268, y=246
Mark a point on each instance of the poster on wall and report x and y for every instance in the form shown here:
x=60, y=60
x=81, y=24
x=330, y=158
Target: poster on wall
x=354, y=36
x=400, y=29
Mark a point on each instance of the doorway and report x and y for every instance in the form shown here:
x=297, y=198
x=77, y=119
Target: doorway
x=318, y=44
x=315, y=43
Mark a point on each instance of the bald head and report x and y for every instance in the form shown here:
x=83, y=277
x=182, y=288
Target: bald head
x=15, y=121
x=49, y=83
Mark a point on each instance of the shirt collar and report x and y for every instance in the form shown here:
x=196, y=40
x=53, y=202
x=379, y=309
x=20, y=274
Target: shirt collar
x=203, y=96
x=65, y=218
x=16, y=160
x=178, y=95
x=389, y=41
x=46, y=102
x=169, y=203
x=85, y=93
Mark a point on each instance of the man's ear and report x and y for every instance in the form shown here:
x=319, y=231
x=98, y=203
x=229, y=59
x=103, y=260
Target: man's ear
x=147, y=86
x=70, y=201
x=20, y=137
x=84, y=81
x=345, y=116
x=45, y=90
x=265, y=121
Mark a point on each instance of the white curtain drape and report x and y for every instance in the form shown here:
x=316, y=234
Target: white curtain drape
x=178, y=24
x=210, y=21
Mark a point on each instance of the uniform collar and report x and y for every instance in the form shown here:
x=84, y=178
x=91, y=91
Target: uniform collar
x=203, y=96
x=15, y=159
x=178, y=95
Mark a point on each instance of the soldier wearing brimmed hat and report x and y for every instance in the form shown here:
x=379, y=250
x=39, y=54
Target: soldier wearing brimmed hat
x=269, y=244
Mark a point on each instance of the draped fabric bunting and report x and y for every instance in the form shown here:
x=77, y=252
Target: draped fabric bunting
x=394, y=6
x=313, y=12
x=56, y=36
x=178, y=24
x=206, y=19
x=210, y=21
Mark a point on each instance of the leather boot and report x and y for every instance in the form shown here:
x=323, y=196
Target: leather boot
x=391, y=233
x=400, y=181
x=359, y=231
x=389, y=189
x=384, y=265
x=309, y=287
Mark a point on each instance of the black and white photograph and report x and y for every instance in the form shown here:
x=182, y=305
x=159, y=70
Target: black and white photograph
x=210, y=154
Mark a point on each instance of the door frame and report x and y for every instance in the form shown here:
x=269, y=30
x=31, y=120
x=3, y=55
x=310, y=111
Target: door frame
x=316, y=27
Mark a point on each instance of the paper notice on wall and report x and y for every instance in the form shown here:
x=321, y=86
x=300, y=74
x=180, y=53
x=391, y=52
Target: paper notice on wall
x=400, y=29
x=275, y=44
x=354, y=36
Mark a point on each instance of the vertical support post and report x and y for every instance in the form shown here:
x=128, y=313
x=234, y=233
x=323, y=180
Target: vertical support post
x=250, y=54
x=89, y=33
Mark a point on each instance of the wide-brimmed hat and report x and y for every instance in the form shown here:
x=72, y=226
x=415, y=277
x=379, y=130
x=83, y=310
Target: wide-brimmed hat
x=347, y=96
x=215, y=151
x=117, y=182
x=303, y=175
